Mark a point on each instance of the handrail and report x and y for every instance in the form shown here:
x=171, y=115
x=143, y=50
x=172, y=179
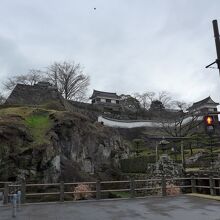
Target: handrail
x=77, y=183
x=118, y=181
x=148, y=180
x=43, y=184
x=132, y=187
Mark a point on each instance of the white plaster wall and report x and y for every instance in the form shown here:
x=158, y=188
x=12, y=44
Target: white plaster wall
x=136, y=124
x=123, y=124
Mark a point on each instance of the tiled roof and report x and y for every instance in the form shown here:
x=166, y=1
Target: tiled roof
x=203, y=101
x=104, y=94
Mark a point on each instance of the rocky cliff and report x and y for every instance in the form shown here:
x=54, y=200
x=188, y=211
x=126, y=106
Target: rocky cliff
x=47, y=146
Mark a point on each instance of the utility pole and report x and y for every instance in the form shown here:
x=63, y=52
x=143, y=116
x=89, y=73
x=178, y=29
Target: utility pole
x=217, y=44
x=217, y=41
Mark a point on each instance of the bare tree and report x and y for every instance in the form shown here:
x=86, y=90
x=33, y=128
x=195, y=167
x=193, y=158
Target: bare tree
x=145, y=99
x=34, y=76
x=2, y=99
x=182, y=123
x=69, y=79
x=31, y=78
x=165, y=98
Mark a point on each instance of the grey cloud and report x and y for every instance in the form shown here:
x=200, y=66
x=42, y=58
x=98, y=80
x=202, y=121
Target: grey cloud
x=126, y=46
x=11, y=59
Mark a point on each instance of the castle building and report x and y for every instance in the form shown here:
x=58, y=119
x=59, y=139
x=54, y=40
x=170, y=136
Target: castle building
x=108, y=101
x=204, y=106
x=156, y=105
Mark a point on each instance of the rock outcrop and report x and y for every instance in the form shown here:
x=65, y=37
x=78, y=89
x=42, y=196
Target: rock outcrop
x=72, y=148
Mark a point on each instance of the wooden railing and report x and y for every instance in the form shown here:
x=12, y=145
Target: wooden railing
x=132, y=188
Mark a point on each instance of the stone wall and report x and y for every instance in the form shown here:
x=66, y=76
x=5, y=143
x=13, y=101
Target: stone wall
x=37, y=94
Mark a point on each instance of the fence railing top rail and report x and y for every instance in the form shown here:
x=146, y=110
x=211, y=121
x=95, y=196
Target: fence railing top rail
x=148, y=180
x=201, y=178
x=15, y=184
x=118, y=181
x=77, y=183
x=42, y=184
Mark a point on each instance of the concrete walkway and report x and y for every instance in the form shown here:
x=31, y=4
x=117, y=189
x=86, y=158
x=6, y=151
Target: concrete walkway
x=177, y=208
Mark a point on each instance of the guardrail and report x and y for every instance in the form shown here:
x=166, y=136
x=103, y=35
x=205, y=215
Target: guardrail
x=98, y=189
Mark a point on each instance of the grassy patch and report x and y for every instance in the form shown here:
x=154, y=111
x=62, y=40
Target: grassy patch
x=39, y=125
x=21, y=111
x=36, y=119
x=147, y=152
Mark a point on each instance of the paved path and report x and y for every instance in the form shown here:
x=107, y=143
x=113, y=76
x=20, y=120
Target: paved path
x=177, y=208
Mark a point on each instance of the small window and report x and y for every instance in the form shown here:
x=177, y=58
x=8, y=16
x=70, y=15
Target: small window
x=108, y=100
x=98, y=99
x=117, y=101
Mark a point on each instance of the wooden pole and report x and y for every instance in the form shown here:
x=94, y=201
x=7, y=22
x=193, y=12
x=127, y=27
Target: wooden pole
x=193, y=184
x=23, y=191
x=163, y=185
x=98, y=190
x=132, y=188
x=6, y=192
x=61, y=191
x=182, y=155
x=212, y=185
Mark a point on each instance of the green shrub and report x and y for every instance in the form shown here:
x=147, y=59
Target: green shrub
x=137, y=164
x=39, y=125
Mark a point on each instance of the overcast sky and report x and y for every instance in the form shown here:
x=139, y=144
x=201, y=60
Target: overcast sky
x=125, y=46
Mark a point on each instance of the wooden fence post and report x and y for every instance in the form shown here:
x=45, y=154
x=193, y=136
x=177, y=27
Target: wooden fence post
x=98, y=189
x=61, y=191
x=163, y=185
x=212, y=185
x=193, y=184
x=218, y=184
x=6, y=192
x=23, y=192
x=132, y=188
